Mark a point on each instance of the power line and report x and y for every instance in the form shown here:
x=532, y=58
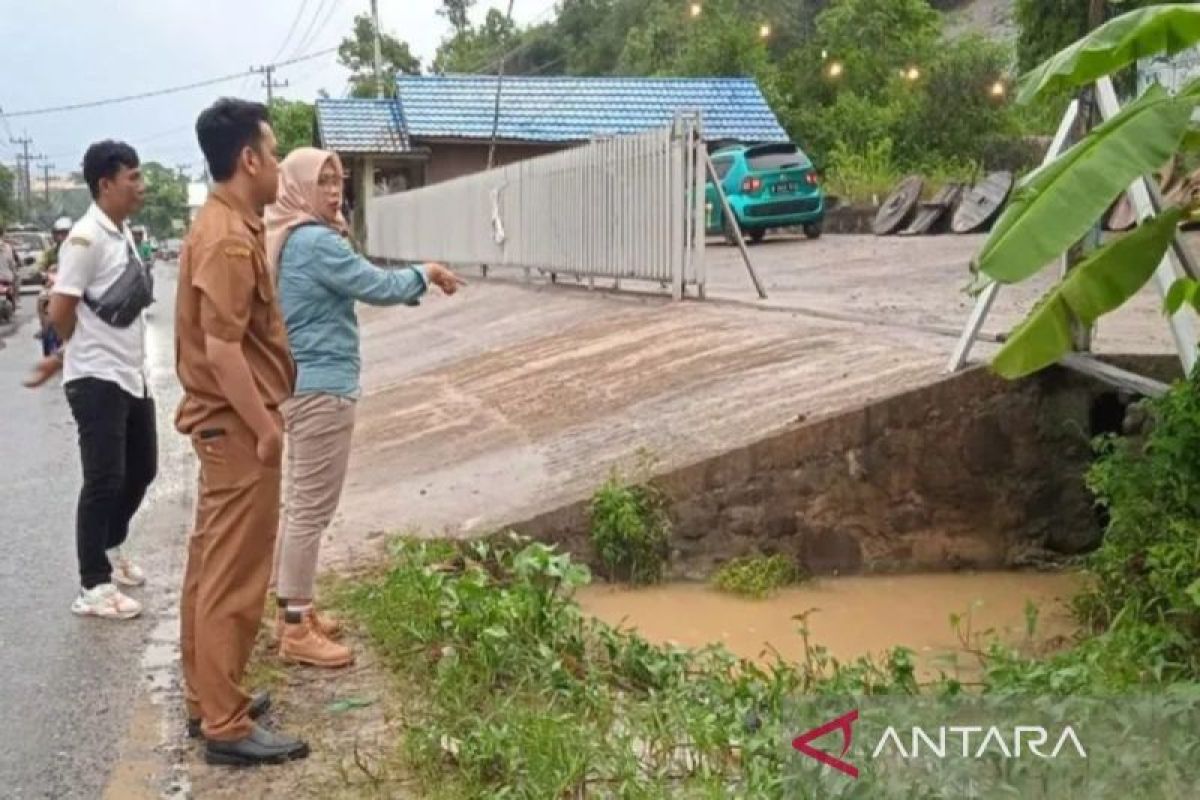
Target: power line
x=312, y=24
x=295, y=22
x=159, y=92
x=324, y=24
x=7, y=129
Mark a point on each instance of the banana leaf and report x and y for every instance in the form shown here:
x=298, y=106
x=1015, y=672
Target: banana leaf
x=1056, y=205
x=1099, y=284
x=1182, y=291
x=1157, y=30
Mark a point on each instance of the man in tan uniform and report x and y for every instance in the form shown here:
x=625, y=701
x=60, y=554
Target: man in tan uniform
x=233, y=361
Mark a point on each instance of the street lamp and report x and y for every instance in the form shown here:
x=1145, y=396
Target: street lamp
x=912, y=74
x=696, y=9
x=998, y=90
x=835, y=69
x=764, y=31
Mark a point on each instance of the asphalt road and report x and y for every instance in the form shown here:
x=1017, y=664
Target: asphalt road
x=67, y=684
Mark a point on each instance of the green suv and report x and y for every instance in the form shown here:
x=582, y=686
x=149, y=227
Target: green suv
x=768, y=186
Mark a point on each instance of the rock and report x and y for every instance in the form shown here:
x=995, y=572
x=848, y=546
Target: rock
x=744, y=520
x=831, y=551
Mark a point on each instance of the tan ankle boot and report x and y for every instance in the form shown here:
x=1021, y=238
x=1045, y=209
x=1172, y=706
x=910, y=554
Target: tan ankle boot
x=330, y=627
x=301, y=643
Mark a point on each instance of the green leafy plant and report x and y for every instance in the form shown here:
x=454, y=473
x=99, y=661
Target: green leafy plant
x=513, y=692
x=630, y=529
x=756, y=576
x=1056, y=206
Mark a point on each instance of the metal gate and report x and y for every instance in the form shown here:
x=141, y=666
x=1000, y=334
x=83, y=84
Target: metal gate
x=630, y=207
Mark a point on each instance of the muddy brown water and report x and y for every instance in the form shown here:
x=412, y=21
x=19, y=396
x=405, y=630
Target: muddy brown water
x=851, y=616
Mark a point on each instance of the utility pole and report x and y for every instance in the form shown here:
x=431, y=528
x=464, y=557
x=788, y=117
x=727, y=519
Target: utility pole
x=378, y=50
x=269, y=82
x=23, y=173
x=46, y=180
x=496, y=112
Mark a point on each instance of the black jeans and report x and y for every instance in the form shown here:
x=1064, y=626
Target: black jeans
x=118, y=446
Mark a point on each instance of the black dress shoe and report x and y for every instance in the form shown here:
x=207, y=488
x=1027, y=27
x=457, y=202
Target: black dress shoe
x=260, y=704
x=262, y=746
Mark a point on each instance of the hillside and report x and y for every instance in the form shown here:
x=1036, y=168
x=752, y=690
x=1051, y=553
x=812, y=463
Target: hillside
x=992, y=18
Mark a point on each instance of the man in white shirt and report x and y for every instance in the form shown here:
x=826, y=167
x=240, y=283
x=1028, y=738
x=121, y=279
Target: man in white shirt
x=105, y=381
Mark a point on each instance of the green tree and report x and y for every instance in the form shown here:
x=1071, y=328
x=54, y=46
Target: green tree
x=723, y=40
x=8, y=200
x=166, y=200
x=593, y=33
x=293, y=122
x=958, y=76
x=458, y=13
x=479, y=49
x=876, y=39
x=357, y=54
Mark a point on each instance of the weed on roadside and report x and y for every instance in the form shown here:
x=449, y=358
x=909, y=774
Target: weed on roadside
x=630, y=530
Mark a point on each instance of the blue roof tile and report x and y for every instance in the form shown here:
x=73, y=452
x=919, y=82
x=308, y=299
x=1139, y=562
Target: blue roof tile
x=362, y=126
x=563, y=109
x=542, y=109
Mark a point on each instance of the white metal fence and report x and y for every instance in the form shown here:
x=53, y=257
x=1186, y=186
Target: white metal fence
x=629, y=207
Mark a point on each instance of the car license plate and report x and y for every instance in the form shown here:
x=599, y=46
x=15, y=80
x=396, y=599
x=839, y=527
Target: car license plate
x=787, y=187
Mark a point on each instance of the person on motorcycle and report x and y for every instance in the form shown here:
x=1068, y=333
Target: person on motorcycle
x=8, y=258
x=10, y=278
x=59, y=233
x=144, y=248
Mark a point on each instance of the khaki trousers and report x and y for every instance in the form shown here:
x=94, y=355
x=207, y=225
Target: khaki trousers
x=228, y=567
x=319, y=429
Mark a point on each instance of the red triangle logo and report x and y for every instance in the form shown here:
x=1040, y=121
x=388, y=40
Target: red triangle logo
x=843, y=723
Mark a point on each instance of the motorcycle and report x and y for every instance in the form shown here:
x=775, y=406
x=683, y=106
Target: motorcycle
x=8, y=299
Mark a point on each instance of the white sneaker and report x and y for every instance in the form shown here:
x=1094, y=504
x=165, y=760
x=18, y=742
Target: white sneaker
x=125, y=572
x=107, y=602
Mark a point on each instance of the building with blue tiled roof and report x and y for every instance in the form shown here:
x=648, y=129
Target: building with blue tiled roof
x=439, y=127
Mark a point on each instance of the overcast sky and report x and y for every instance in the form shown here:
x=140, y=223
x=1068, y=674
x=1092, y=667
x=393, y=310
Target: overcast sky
x=58, y=52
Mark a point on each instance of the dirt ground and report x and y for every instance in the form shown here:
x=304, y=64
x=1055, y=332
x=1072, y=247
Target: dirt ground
x=351, y=719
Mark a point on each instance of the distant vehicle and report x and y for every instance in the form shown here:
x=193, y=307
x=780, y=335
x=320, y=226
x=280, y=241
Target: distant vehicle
x=30, y=246
x=169, y=249
x=768, y=186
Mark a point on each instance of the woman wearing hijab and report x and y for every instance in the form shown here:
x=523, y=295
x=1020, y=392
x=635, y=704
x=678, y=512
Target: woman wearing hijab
x=320, y=278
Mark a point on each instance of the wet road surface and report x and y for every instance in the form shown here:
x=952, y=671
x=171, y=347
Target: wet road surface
x=68, y=684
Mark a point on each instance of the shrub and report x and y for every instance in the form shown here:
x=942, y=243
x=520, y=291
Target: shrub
x=756, y=576
x=630, y=529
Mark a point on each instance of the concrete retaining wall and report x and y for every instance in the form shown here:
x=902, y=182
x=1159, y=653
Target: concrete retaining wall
x=971, y=471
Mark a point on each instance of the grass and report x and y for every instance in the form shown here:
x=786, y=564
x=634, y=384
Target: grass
x=756, y=576
x=868, y=178
x=516, y=693
x=510, y=691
